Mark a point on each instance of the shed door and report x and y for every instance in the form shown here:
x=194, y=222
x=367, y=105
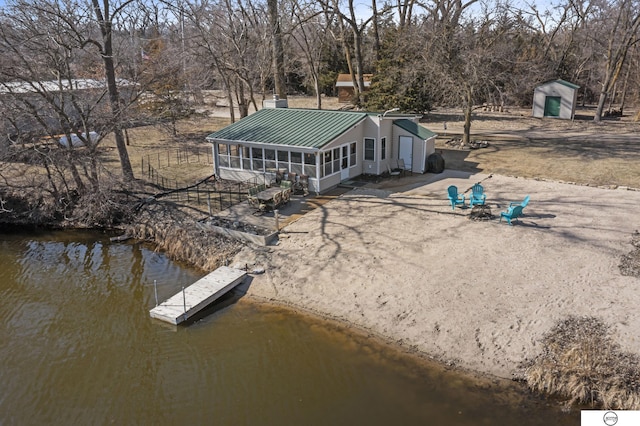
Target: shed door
x=406, y=150
x=552, y=106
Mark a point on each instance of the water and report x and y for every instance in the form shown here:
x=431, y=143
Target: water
x=78, y=347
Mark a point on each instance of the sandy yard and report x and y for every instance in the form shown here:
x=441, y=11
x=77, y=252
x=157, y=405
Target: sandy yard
x=397, y=262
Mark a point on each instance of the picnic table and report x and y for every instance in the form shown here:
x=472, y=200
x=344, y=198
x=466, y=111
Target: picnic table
x=268, y=195
x=263, y=198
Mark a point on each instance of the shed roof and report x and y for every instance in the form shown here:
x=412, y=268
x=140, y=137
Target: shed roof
x=415, y=129
x=563, y=82
x=344, y=80
x=293, y=127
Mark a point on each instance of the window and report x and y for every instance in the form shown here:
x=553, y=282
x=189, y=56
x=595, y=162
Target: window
x=270, y=160
x=352, y=154
x=223, y=154
x=310, y=165
x=326, y=163
x=296, y=162
x=234, y=156
x=383, y=148
x=345, y=157
x=283, y=160
x=336, y=160
x=258, y=163
x=369, y=149
x=246, y=157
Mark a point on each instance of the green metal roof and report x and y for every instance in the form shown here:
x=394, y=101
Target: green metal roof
x=563, y=82
x=415, y=129
x=294, y=127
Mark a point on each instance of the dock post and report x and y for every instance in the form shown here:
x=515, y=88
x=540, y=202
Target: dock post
x=184, y=300
x=155, y=290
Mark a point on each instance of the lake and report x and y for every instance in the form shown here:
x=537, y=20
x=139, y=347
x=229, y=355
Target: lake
x=79, y=347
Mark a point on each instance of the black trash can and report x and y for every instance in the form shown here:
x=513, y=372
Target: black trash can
x=435, y=163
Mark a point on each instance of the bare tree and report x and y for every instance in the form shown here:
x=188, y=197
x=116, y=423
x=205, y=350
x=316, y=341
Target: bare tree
x=310, y=33
x=623, y=33
x=104, y=17
x=278, y=50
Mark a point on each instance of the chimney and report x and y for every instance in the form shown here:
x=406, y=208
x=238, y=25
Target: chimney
x=276, y=102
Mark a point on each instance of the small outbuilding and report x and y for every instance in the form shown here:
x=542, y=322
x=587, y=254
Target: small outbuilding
x=556, y=98
x=344, y=85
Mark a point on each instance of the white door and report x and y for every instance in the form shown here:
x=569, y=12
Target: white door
x=405, y=151
x=344, y=162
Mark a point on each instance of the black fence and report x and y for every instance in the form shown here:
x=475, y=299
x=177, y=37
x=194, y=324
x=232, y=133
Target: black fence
x=212, y=194
x=202, y=155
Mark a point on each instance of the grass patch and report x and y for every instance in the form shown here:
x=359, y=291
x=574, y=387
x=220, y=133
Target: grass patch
x=583, y=365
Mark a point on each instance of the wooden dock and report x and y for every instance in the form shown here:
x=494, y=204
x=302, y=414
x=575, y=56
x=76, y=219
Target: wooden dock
x=188, y=302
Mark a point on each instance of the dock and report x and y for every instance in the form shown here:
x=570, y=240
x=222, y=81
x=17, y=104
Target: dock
x=191, y=300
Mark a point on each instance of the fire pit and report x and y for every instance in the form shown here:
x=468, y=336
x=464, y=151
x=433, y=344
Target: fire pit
x=480, y=212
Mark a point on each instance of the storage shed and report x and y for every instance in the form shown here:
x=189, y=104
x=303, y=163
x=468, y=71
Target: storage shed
x=345, y=88
x=556, y=98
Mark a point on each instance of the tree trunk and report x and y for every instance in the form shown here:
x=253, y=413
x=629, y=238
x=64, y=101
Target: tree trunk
x=376, y=34
x=278, y=51
x=114, y=97
x=624, y=88
x=316, y=85
x=603, y=99
x=466, y=135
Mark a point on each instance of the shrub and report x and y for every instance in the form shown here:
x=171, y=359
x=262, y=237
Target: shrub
x=582, y=363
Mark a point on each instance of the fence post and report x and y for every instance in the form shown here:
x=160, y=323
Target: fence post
x=198, y=194
x=142, y=171
x=209, y=203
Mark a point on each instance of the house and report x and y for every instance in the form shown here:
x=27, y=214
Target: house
x=556, y=98
x=327, y=146
x=344, y=85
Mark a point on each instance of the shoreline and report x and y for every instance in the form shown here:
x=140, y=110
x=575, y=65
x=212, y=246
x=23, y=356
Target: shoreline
x=478, y=296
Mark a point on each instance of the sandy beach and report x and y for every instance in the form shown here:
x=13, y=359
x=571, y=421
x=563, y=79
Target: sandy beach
x=396, y=261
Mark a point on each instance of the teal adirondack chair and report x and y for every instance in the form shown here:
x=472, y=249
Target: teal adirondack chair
x=477, y=195
x=511, y=214
x=523, y=204
x=455, y=198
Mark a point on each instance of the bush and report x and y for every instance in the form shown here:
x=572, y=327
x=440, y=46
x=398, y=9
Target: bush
x=582, y=363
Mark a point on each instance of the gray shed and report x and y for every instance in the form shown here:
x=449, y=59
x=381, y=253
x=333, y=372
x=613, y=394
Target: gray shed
x=556, y=98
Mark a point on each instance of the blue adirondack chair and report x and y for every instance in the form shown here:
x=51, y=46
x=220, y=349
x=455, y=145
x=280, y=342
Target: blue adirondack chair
x=454, y=197
x=477, y=195
x=511, y=214
x=523, y=204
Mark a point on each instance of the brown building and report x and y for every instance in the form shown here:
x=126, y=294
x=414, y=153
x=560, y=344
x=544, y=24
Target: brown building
x=344, y=84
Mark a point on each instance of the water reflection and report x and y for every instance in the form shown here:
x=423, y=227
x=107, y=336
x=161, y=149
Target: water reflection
x=79, y=348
